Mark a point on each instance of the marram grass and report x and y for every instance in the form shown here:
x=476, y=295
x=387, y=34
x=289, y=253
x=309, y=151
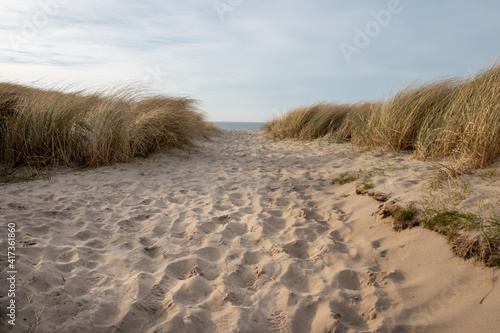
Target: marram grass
x=451, y=117
x=42, y=127
x=309, y=122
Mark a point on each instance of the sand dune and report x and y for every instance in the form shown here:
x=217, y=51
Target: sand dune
x=241, y=235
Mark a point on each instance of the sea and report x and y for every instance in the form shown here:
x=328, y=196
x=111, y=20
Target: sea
x=238, y=125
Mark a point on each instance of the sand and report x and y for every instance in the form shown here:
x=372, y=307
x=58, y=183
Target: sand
x=242, y=234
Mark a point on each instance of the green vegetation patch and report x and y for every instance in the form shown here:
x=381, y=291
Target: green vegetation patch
x=366, y=184
x=346, y=177
x=405, y=217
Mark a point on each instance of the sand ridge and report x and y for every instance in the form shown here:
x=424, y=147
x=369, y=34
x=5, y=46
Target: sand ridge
x=242, y=235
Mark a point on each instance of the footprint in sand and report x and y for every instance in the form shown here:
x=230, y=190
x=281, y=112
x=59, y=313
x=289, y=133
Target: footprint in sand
x=308, y=232
x=278, y=322
x=297, y=280
x=243, y=277
x=177, y=198
x=181, y=268
x=304, y=315
x=185, y=268
x=192, y=291
x=146, y=202
x=347, y=279
x=235, y=200
x=299, y=249
x=253, y=258
x=234, y=229
x=206, y=227
x=210, y=253
x=347, y=318
x=223, y=205
x=273, y=225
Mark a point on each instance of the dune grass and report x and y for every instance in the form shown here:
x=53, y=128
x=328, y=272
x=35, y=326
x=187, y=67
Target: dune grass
x=310, y=122
x=450, y=117
x=41, y=127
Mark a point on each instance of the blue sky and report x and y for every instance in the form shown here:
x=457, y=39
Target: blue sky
x=247, y=60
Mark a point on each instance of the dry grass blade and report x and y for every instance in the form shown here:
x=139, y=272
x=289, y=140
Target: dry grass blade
x=452, y=170
x=36, y=324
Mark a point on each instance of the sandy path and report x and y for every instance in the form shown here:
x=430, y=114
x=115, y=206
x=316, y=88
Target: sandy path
x=242, y=235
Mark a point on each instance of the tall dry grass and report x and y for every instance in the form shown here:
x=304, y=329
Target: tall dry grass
x=400, y=120
x=309, y=122
x=41, y=127
x=357, y=121
x=451, y=117
x=469, y=127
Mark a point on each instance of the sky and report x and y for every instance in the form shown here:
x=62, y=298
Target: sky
x=247, y=60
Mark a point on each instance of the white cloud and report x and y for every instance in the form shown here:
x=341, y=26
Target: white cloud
x=263, y=56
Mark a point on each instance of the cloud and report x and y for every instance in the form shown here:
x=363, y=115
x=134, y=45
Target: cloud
x=262, y=56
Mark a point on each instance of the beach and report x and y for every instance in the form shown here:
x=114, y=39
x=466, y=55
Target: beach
x=240, y=234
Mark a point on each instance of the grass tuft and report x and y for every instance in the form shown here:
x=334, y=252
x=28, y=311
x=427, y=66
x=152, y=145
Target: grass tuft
x=307, y=123
x=41, y=127
x=450, y=117
x=405, y=217
x=366, y=184
x=346, y=177
x=451, y=222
